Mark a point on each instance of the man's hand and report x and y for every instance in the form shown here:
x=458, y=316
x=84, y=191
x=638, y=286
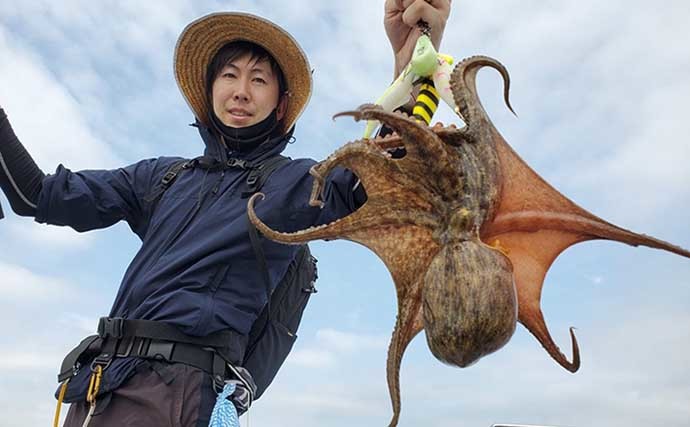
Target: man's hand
x=401, y=17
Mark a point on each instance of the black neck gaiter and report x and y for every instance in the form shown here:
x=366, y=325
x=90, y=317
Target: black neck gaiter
x=248, y=138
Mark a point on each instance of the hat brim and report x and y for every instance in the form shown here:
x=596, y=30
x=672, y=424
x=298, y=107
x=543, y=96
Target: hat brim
x=202, y=39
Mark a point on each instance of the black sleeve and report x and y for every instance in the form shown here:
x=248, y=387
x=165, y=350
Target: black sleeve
x=397, y=153
x=20, y=177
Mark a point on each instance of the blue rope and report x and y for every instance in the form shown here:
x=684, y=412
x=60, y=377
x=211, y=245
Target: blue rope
x=224, y=412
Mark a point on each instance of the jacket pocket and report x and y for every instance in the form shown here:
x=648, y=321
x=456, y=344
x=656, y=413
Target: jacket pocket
x=208, y=308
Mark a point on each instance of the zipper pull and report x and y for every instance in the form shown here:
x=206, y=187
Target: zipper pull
x=217, y=186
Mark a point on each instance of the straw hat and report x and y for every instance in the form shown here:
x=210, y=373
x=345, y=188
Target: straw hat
x=202, y=39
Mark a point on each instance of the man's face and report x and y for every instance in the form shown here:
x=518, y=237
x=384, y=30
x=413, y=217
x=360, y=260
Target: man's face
x=245, y=92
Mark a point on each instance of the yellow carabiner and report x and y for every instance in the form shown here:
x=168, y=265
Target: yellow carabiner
x=61, y=397
x=94, y=384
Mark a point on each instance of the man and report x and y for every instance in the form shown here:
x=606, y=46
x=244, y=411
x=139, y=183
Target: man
x=195, y=288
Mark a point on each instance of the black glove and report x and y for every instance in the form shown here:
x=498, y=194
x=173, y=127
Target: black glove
x=245, y=389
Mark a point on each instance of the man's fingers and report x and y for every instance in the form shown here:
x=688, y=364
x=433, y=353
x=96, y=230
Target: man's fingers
x=440, y=4
x=394, y=6
x=429, y=12
x=414, y=12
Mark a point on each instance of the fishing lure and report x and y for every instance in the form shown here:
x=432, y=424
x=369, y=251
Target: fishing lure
x=432, y=70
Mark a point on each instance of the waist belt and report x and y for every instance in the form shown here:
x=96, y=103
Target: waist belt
x=117, y=327
x=169, y=351
x=118, y=337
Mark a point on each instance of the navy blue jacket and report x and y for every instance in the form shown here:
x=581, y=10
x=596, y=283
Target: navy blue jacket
x=196, y=268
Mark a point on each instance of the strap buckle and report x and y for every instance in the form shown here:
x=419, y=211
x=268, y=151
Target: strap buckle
x=252, y=179
x=111, y=326
x=102, y=361
x=160, y=350
x=236, y=163
x=168, y=178
x=124, y=347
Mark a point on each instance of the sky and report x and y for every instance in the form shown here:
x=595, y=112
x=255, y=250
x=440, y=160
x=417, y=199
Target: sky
x=601, y=91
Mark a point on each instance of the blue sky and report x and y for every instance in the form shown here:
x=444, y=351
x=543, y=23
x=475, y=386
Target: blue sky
x=601, y=90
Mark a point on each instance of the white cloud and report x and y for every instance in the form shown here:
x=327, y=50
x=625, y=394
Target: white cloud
x=44, y=116
x=31, y=233
x=597, y=280
x=28, y=360
x=19, y=284
x=335, y=404
x=349, y=342
x=331, y=347
x=312, y=358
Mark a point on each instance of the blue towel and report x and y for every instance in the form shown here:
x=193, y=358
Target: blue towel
x=224, y=412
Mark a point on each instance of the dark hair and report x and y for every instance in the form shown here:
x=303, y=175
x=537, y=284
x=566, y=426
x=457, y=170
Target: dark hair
x=236, y=49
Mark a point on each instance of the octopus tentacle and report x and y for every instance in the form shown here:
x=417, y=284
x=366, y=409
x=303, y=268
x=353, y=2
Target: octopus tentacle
x=533, y=320
x=380, y=175
x=422, y=146
x=451, y=135
x=367, y=156
x=418, y=138
x=464, y=85
x=454, y=136
x=427, y=155
x=409, y=323
x=357, y=223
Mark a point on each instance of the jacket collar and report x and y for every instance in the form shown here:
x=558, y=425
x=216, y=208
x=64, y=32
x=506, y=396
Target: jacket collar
x=216, y=149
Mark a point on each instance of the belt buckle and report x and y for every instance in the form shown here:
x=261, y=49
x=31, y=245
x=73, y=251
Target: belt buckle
x=111, y=326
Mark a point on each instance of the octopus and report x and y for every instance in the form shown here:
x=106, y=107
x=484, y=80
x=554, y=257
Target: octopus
x=465, y=227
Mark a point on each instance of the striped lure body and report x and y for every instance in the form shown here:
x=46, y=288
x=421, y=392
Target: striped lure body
x=427, y=102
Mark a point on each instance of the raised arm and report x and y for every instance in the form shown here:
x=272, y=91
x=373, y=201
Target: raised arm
x=20, y=177
x=83, y=200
